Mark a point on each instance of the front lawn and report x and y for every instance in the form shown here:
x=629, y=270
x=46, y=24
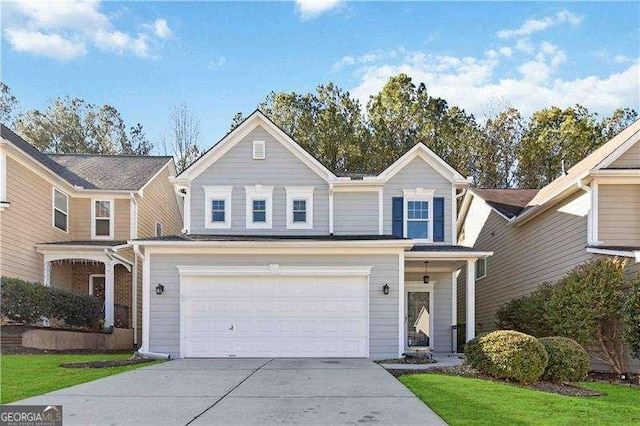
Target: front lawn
x=23, y=376
x=465, y=400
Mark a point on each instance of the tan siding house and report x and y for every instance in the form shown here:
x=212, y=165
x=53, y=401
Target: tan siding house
x=65, y=223
x=538, y=236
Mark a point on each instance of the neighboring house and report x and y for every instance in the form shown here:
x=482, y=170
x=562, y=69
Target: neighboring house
x=282, y=257
x=538, y=236
x=65, y=220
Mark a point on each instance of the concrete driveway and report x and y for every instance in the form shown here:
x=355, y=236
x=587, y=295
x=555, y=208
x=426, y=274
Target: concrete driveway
x=244, y=392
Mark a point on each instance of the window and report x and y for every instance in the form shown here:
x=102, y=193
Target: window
x=299, y=207
x=259, y=211
x=60, y=210
x=259, y=201
x=158, y=229
x=259, y=151
x=481, y=268
x=102, y=219
x=217, y=206
x=299, y=211
x=217, y=211
x=418, y=214
x=418, y=220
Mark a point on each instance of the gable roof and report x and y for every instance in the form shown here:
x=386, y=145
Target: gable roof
x=232, y=138
x=94, y=172
x=420, y=150
x=601, y=157
x=508, y=202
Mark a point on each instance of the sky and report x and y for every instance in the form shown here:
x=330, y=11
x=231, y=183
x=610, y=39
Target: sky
x=225, y=57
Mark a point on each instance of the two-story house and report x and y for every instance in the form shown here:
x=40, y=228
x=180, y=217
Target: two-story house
x=65, y=220
x=540, y=235
x=282, y=257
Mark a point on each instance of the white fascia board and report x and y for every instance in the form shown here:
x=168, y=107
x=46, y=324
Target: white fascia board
x=235, y=136
x=611, y=252
x=284, y=243
x=431, y=158
x=448, y=255
x=617, y=153
x=273, y=269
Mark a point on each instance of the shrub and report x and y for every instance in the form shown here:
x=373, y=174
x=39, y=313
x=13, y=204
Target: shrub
x=508, y=354
x=568, y=361
x=527, y=314
x=632, y=319
x=30, y=302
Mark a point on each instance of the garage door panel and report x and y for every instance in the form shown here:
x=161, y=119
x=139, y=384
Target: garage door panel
x=275, y=316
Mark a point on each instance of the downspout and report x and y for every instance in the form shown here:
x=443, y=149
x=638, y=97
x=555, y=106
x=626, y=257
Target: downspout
x=133, y=233
x=590, y=218
x=140, y=352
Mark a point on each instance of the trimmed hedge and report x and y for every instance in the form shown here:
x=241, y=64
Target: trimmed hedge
x=31, y=302
x=568, y=361
x=507, y=354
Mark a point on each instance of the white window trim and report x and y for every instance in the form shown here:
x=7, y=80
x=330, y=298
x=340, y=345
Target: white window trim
x=264, y=150
x=112, y=208
x=299, y=193
x=259, y=192
x=91, y=277
x=217, y=193
x=418, y=194
x=484, y=260
x=161, y=229
x=54, y=208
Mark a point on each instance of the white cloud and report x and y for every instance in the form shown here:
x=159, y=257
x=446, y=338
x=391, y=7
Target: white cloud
x=474, y=83
x=535, y=25
x=48, y=45
x=310, y=9
x=217, y=63
x=63, y=29
x=161, y=28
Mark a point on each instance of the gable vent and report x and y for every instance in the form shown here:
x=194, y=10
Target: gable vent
x=259, y=152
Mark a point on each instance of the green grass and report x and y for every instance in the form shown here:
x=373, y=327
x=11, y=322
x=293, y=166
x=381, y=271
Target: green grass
x=23, y=376
x=464, y=400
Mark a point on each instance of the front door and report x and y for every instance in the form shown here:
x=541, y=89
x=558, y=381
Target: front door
x=419, y=319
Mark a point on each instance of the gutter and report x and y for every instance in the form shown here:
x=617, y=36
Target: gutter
x=153, y=355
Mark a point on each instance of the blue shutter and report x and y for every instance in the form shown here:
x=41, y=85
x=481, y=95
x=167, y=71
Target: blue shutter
x=397, y=215
x=438, y=219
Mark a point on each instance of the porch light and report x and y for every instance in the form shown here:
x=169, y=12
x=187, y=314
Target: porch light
x=159, y=289
x=425, y=277
x=385, y=289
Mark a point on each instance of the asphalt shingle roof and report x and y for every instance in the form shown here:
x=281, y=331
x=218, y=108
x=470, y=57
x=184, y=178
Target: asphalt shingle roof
x=108, y=172
x=509, y=202
x=206, y=237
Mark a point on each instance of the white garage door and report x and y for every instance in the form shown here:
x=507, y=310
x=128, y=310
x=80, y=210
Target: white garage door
x=274, y=316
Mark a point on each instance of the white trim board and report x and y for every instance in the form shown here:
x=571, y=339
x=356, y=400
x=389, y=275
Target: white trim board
x=273, y=269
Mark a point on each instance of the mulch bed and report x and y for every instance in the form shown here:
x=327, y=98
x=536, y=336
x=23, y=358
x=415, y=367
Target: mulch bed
x=613, y=378
x=21, y=350
x=466, y=371
x=408, y=360
x=106, y=364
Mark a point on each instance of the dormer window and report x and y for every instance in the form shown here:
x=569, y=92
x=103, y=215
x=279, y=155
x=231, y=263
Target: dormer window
x=259, y=150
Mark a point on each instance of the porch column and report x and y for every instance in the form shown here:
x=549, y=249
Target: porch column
x=109, y=293
x=471, y=299
x=47, y=273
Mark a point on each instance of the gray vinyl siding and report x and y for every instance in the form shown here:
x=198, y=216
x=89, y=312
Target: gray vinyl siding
x=280, y=168
x=628, y=160
x=619, y=215
x=418, y=174
x=525, y=256
x=355, y=213
x=164, y=324
x=442, y=308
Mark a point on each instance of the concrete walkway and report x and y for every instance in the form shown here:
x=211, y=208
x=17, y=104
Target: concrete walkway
x=244, y=392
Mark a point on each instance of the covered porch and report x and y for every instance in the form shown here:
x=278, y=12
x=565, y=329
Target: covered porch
x=96, y=268
x=429, y=296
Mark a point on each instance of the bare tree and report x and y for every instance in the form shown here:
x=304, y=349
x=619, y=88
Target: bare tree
x=181, y=138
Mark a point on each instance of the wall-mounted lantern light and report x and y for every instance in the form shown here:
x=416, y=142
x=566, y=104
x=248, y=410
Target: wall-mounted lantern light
x=385, y=289
x=425, y=277
x=159, y=289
